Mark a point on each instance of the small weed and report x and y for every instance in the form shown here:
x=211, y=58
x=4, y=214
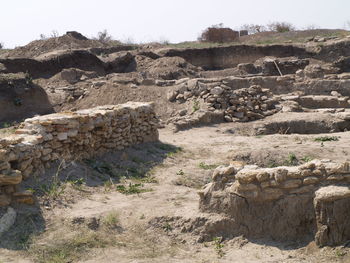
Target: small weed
x=135, y=172
x=205, y=166
x=339, y=253
x=6, y=125
x=167, y=227
x=218, y=246
x=17, y=102
x=291, y=160
x=111, y=220
x=165, y=147
x=108, y=185
x=149, y=180
x=272, y=164
x=77, y=183
x=170, y=149
x=137, y=160
x=132, y=189
x=56, y=188
x=173, y=153
x=25, y=240
x=307, y=159
x=195, y=106
x=28, y=79
x=180, y=172
x=326, y=139
x=53, y=190
x=142, y=216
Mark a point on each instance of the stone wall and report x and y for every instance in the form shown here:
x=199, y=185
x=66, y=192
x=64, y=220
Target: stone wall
x=243, y=104
x=70, y=136
x=276, y=203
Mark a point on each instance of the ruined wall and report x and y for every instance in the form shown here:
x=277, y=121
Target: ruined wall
x=244, y=104
x=231, y=56
x=276, y=203
x=70, y=136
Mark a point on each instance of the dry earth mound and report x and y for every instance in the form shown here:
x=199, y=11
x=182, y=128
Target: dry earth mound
x=70, y=41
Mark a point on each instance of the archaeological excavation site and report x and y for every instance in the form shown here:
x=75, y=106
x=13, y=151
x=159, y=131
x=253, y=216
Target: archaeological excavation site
x=193, y=152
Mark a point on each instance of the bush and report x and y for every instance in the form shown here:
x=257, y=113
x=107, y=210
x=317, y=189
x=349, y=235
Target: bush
x=103, y=36
x=219, y=34
x=280, y=27
x=253, y=29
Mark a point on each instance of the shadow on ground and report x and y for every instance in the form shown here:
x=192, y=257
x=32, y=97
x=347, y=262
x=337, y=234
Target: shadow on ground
x=109, y=170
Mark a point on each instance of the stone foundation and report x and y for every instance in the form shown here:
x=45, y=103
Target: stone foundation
x=280, y=203
x=332, y=207
x=245, y=104
x=70, y=136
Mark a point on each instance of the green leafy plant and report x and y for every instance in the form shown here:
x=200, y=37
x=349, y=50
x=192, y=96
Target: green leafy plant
x=53, y=190
x=174, y=152
x=111, y=220
x=218, y=246
x=132, y=189
x=180, y=172
x=272, y=164
x=77, y=183
x=326, y=139
x=167, y=227
x=306, y=159
x=205, y=166
x=28, y=79
x=17, y=102
x=195, y=106
x=291, y=160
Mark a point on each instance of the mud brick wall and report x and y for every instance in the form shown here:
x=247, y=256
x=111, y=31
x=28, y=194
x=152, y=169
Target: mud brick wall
x=70, y=136
x=277, y=203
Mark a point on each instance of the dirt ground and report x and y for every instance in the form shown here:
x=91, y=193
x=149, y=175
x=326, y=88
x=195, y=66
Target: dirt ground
x=96, y=220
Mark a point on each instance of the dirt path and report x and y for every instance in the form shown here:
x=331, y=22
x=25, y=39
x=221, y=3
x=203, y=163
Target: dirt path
x=174, y=195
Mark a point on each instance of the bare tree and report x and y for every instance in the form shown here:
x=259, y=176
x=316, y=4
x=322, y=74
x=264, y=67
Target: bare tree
x=312, y=27
x=1, y=45
x=253, y=28
x=103, y=36
x=42, y=37
x=54, y=33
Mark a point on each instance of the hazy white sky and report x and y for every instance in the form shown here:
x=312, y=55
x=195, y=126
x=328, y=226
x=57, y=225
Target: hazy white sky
x=22, y=21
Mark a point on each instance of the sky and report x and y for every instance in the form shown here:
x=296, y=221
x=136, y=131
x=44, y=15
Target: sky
x=22, y=21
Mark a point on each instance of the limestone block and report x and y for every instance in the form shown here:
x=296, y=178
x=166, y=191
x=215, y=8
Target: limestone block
x=15, y=177
x=291, y=184
x=311, y=180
